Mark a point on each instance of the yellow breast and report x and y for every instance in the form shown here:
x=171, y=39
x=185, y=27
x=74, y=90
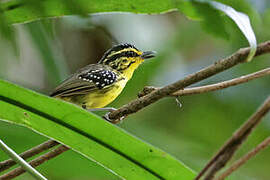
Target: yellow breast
x=101, y=98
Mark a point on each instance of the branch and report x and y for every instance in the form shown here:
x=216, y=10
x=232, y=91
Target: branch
x=244, y=159
x=24, y=165
x=36, y=162
x=219, y=66
x=228, y=149
x=29, y=153
x=212, y=87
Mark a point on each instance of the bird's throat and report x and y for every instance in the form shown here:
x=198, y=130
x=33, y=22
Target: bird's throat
x=127, y=73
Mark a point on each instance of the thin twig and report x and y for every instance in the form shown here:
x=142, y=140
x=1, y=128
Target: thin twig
x=212, y=87
x=244, y=159
x=228, y=149
x=24, y=165
x=224, y=84
x=36, y=162
x=219, y=66
x=29, y=153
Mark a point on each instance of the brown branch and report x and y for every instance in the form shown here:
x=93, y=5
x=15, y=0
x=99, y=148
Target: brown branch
x=212, y=87
x=36, y=162
x=29, y=153
x=219, y=66
x=228, y=149
x=244, y=159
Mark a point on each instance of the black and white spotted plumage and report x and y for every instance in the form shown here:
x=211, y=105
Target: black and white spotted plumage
x=100, y=77
x=90, y=78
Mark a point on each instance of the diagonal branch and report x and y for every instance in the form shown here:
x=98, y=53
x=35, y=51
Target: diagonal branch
x=23, y=164
x=224, y=84
x=244, y=159
x=228, y=149
x=29, y=153
x=211, y=87
x=219, y=66
x=36, y=162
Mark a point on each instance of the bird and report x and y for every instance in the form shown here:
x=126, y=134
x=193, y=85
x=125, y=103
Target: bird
x=96, y=85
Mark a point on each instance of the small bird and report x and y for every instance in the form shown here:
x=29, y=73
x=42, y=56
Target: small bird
x=96, y=85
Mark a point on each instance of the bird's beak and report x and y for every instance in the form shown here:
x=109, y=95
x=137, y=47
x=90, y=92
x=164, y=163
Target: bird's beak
x=148, y=54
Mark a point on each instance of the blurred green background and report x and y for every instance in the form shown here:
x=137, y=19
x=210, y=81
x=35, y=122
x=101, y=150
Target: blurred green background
x=49, y=50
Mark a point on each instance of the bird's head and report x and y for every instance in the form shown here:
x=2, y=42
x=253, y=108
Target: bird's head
x=125, y=58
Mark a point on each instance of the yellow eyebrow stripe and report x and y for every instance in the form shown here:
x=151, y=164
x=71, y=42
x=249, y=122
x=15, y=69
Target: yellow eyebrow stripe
x=123, y=50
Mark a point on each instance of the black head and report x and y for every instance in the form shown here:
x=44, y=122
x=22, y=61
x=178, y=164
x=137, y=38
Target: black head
x=122, y=56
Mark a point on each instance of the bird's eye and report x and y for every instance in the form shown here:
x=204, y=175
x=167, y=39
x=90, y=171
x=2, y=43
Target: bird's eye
x=130, y=54
x=125, y=61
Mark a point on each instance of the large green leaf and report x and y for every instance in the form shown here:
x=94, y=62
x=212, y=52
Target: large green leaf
x=88, y=134
x=22, y=11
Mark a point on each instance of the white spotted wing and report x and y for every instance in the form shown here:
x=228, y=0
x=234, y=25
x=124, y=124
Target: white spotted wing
x=87, y=79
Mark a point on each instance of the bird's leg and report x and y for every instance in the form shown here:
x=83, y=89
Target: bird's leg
x=106, y=116
x=110, y=109
x=114, y=121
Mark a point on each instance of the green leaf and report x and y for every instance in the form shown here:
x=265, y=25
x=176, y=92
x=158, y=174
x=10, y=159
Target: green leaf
x=213, y=22
x=242, y=21
x=13, y=155
x=88, y=134
x=206, y=10
x=210, y=18
x=19, y=12
x=7, y=31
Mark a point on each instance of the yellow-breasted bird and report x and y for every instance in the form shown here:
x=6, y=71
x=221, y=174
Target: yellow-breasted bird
x=96, y=85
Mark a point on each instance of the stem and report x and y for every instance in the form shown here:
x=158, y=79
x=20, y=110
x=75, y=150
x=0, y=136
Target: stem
x=21, y=162
x=244, y=159
x=36, y=162
x=29, y=153
x=228, y=149
x=211, y=87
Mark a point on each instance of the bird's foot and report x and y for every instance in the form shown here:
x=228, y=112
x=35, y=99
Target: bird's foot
x=114, y=121
x=106, y=116
x=110, y=109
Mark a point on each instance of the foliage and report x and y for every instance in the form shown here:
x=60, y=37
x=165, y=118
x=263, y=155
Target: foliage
x=89, y=135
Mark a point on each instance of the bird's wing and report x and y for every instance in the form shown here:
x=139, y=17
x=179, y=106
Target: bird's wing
x=85, y=80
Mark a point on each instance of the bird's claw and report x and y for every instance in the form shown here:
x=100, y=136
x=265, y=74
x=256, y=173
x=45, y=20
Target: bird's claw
x=114, y=121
